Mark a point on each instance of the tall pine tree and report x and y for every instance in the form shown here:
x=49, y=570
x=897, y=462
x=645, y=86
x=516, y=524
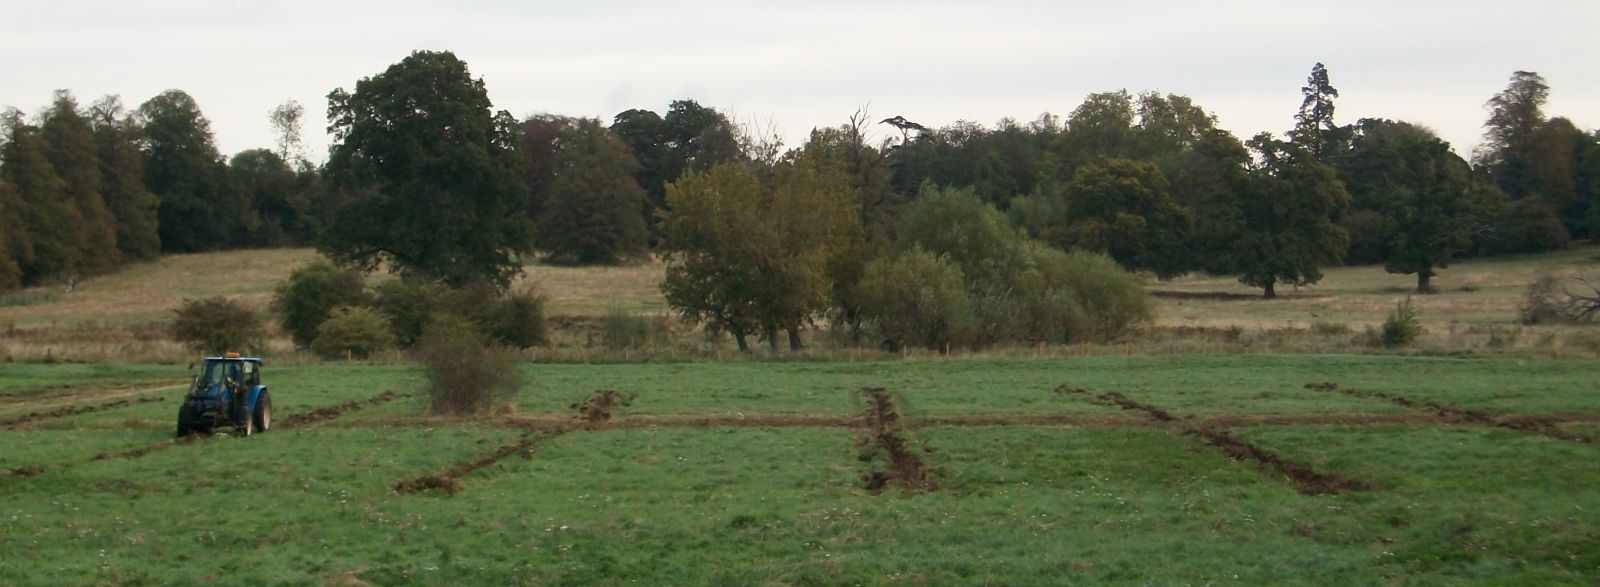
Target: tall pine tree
x=73, y=154
x=122, y=187
x=48, y=211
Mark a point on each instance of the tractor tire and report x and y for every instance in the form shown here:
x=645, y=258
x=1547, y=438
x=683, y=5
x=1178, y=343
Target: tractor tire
x=185, y=423
x=263, y=412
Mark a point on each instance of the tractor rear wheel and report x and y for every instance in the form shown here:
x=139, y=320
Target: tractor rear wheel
x=185, y=422
x=263, y=412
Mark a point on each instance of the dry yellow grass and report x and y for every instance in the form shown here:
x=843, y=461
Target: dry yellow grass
x=121, y=317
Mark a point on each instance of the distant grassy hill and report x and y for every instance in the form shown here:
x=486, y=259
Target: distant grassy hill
x=121, y=316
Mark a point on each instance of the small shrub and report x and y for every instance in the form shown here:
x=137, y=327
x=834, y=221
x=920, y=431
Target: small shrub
x=1401, y=327
x=622, y=329
x=516, y=319
x=466, y=375
x=1113, y=299
x=304, y=301
x=217, y=325
x=352, y=331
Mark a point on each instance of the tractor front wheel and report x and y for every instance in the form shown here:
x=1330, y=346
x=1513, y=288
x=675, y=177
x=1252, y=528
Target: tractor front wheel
x=249, y=423
x=263, y=412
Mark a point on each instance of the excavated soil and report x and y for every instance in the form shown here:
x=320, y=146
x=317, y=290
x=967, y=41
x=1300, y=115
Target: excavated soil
x=36, y=417
x=334, y=411
x=1539, y=425
x=884, y=436
x=449, y=479
x=598, y=406
x=1306, y=480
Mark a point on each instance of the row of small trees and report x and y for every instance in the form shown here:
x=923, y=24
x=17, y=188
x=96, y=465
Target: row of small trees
x=85, y=189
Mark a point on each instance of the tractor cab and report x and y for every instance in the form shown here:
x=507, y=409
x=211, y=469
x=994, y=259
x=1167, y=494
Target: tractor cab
x=227, y=392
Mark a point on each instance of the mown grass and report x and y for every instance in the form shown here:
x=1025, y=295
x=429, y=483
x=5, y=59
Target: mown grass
x=755, y=505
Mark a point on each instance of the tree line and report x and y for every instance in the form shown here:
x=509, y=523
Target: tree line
x=436, y=183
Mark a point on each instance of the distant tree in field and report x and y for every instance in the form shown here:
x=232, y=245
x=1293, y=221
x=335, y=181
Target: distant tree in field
x=1565, y=167
x=1288, y=208
x=713, y=249
x=54, y=224
x=1314, y=128
x=594, y=211
x=433, y=177
x=1102, y=126
x=73, y=154
x=286, y=121
x=198, y=210
x=1421, y=191
x=1515, y=115
x=539, y=142
x=278, y=207
x=16, y=245
x=814, y=210
x=1205, y=168
x=1122, y=208
x=303, y=301
x=689, y=137
x=122, y=186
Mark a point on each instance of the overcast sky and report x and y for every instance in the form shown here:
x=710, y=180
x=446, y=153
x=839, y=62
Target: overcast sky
x=811, y=63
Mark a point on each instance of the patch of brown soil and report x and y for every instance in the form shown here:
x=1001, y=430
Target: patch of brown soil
x=334, y=411
x=449, y=479
x=1540, y=425
x=65, y=393
x=1305, y=479
x=36, y=417
x=598, y=406
x=884, y=436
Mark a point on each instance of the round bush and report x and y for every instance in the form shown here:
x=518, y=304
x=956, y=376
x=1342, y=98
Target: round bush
x=217, y=325
x=352, y=331
x=311, y=292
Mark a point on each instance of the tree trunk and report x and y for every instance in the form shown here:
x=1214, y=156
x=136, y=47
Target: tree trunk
x=794, y=339
x=744, y=345
x=1270, y=293
x=772, y=340
x=1423, y=277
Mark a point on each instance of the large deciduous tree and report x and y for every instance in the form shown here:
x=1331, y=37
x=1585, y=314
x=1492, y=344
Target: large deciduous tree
x=16, y=245
x=594, y=211
x=122, y=186
x=197, y=212
x=1122, y=208
x=72, y=152
x=1515, y=114
x=433, y=178
x=54, y=224
x=1288, y=206
x=1419, y=188
x=278, y=208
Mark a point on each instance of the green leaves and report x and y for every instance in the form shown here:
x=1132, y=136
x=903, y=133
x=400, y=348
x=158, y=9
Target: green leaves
x=435, y=184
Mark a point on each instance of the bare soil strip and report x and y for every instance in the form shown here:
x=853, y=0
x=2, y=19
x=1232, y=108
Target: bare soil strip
x=334, y=411
x=36, y=417
x=884, y=436
x=63, y=393
x=1541, y=425
x=449, y=479
x=1306, y=480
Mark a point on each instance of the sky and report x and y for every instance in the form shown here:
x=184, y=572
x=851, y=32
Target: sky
x=795, y=65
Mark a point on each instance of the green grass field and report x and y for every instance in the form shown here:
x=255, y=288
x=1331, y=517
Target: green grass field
x=750, y=473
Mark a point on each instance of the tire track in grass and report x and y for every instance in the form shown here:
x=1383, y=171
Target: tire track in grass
x=885, y=436
x=37, y=417
x=593, y=413
x=1306, y=480
x=293, y=421
x=1539, y=425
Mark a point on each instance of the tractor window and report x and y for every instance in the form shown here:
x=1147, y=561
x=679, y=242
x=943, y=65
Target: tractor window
x=251, y=375
x=214, y=374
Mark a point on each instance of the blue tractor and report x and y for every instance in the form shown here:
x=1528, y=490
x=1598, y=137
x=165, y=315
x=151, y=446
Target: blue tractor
x=226, y=393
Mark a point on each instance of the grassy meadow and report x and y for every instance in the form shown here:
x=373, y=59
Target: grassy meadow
x=744, y=496
x=1236, y=441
